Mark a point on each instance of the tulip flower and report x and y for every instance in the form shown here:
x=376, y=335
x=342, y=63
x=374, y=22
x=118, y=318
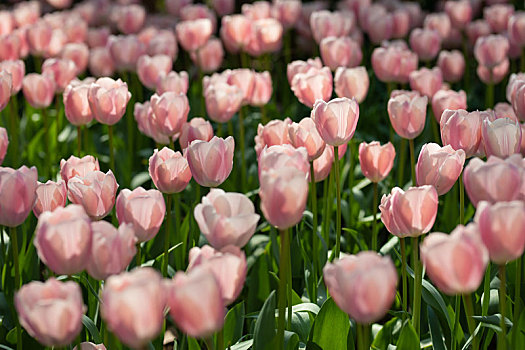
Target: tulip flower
x=195, y=129
x=262, y=91
x=210, y=56
x=266, y=37
x=515, y=28
x=491, y=50
x=101, y=63
x=274, y=133
x=352, y=83
x=17, y=194
x=336, y=120
x=151, y=69
x=340, y=52
x=222, y=101
x=174, y=82
x=501, y=137
x=49, y=196
x=323, y=164
x=305, y=134
x=235, y=32
x=426, y=43
x=407, y=112
x=315, y=84
x=108, y=99
x=89, y=346
x=426, y=81
x=459, y=12
x=393, y=64
x=169, y=170
x=296, y=67
x=440, y=22
x=125, y=51
x=78, y=53
x=448, y=99
x=6, y=84
x=77, y=166
x=211, y=162
x=192, y=35
x=62, y=71
x=4, y=142
x=325, y=24
x=38, y=89
x=376, y=161
x=130, y=18
x=17, y=70
x=279, y=156
x=170, y=111
x=452, y=65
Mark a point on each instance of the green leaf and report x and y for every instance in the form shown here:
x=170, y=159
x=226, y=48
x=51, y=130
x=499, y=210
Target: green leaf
x=386, y=335
x=517, y=333
x=245, y=345
x=92, y=329
x=193, y=344
x=330, y=328
x=139, y=179
x=233, y=324
x=291, y=340
x=408, y=339
x=435, y=330
x=264, y=334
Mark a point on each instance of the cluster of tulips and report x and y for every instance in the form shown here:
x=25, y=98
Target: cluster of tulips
x=282, y=239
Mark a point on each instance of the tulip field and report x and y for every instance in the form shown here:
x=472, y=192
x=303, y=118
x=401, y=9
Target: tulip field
x=318, y=175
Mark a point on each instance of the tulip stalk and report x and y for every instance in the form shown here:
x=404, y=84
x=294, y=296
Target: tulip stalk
x=457, y=311
x=502, y=341
x=486, y=293
x=363, y=336
x=111, y=151
x=327, y=193
x=79, y=141
x=435, y=126
x=412, y=161
x=417, y=284
x=165, y=259
x=283, y=272
x=469, y=310
x=404, y=274
x=517, y=291
x=315, y=239
x=338, y=195
x=374, y=218
x=522, y=60
x=401, y=164
x=14, y=245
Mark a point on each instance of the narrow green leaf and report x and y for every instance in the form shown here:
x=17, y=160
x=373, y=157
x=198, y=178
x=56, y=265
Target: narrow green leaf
x=264, y=334
x=386, y=335
x=408, y=339
x=233, y=324
x=330, y=328
x=92, y=329
x=291, y=340
x=435, y=330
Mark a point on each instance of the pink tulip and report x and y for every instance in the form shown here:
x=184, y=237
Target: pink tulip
x=222, y=101
x=336, y=120
x=376, y=161
x=325, y=23
x=163, y=43
x=245, y=80
x=125, y=51
x=197, y=11
x=426, y=43
x=495, y=74
x=130, y=18
x=426, y=81
x=286, y=11
x=78, y=53
x=196, y=303
x=147, y=124
x=77, y=167
x=460, y=12
x=452, y=65
x=6, y=85
x=518, y=100
x=17, y=70
x=192, y=35
x=223, y=7
x=169, y=171
x=480, y=185
x=62, y=71
x=491, y=50
x=8, y=22
x=151, y=69
x=38, y=302
x=296, y=67
x=477, y=29
x=39, y=37
x=273, y=133
x=502, y=227
x=262, y=91
x=227, y=265
x=393, y=64
x=235, y=32
x=401, y=19
x=133, y=305
x=516, y=28
x=501, y=137
x=10, y=46
x=174, y=6
x=362, y=285
x=340, y=52
x=352, y=83
x=461, y=130
x=315, y=84
x=439, y=166
x=210, y=56
x=108, y=100
x=144, y=210
x=17, y=194
x=98, y=37
x=89, y=346
x=266, y=37
x=409, y=213
x=95, y=192
x=283, y=194
x=170, y=111
x=515, y=82
x=4, y=142
x=504, y=110
x=211, y=162
x=448, y=99
x=195, y=129
x=380, y=24
x=76, y=104
x=440, y=22
x=49, y=196
x=174, y=82
x=498, y=16
x=226, y=218
x=38, y=89
x=63, y=239
x=323, y=164
x=407, y=111
x=100, y=62
x=112, y=249
x=256, y=10
x=280, y=156
x=305, y=134
x=456, y=262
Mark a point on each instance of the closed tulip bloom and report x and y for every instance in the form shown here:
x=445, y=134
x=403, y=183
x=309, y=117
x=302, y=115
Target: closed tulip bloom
x=8, y=22
x=352, y=83
x=74, y=166
x=98, y=37
x=409, y=213
x=440, y=22
x=62, y=71
x=197, y=11
x=452, y=65
x=169, y=170
x=192, y=35
x=477, y=29
x=336, y=120
x=325, y=23
x=495, y=74
x=376, y=161
x=39, y=37
x=11, y=46
x=461, y=130
x=245, y=80
x=425, y=42
x=222, y=101
x=210, y=56
x=100, y=62
x=172, y=81
x=439, y=166
x=407, y=112
x=379, y=23
x=426, y=81
x=108, y=99
x=362, y=285
x=280, y=156
x=133, y=305
x=448, y=99
x=480, y=185
x=273, y=133
x=223, y=7
x=505, y=110
x=146, y=123
x=455, y=262
x=49, y=196
x=125, y=51
x=63, y=239
x=305, y=134
x=401, y=19
x=38, y=302
x=491, y=50
x=296, y=67
x=130, y=18
x=39, y=89
x=323, y=164
x=89, y=346
x=340, y=52
x=113, y=249
x=516, y=28
x=460, y=12
x=17, y=194
x=266, y=37
x=286, y=11
x=78, y=53
x=4, y=142
x=262, y=91
x=195, y=129
x=170, y=111
x=518, y=100
x=235, y=32
x=498, y=16
x=6, y=83
x=393, y=64
x=76, y=104
x=144, y=210
x=283, y=195
x=257, y=10
x=196, y=303
x=17, y=70
x=95, y=192
x=501, y=137
x=211, y=162
x=151, y=69
x=315, y=84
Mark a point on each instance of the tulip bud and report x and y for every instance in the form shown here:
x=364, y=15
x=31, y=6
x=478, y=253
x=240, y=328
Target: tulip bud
x=174, y=82
x=452, y=65
x=340, y=52
x=195, y=129
x=501, y=137
x=211, y=162
x=336, y=120
x=49, y=196
x=39, y=90
x=426, y=81
x=108, y=100
x=273, y=133
x=17, y=70
x=448, y=99
x=352, y=83
x=151, y=69
x=169, y=170
x=376, y=161
x=407, y=111
x=17, y=194
x=77, y=166
x=305, y=134
x=426, y=43
x=192, y=35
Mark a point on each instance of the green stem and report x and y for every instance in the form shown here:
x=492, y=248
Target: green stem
x=209, y=343
x=522, y=60
x=517, y=291
x=404, y=274
x=374, y=218
x=457, y=311
x=359, y=335
x=338, y=197
x=315, y=239
x=402, y=160
x=264, y=116
x=365, y=333
x=111, y=151
x=241, y=143
x=283, y=271
x=350, y=154
x=469, y=310
x=327, y=201
x=489, y=97
x=167, y=235
x=14, y=242
x=435, y=126
x=417, y=284
x=139, y=255
x=502, y=341
x=289, y=287
x=176, y=205
x=60, y=117
x=461, y=200
x=486, y=292
x=412, y=162
x=220, y=340
x=244, y=60
x=79, y=140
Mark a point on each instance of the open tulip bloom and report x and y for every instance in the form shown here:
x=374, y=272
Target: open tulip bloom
x=276, y=174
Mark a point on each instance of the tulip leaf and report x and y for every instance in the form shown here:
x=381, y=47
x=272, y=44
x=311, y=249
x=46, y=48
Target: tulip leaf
x=387, y=334
x=330, y=328
x=291, y=340
x=517, y=333
x=92, y=329
x=233, y=324
x=408, y=339
x=245, y=345
x=193, y=344
x=264, y=334
x=435, y=330
x=4, y=347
